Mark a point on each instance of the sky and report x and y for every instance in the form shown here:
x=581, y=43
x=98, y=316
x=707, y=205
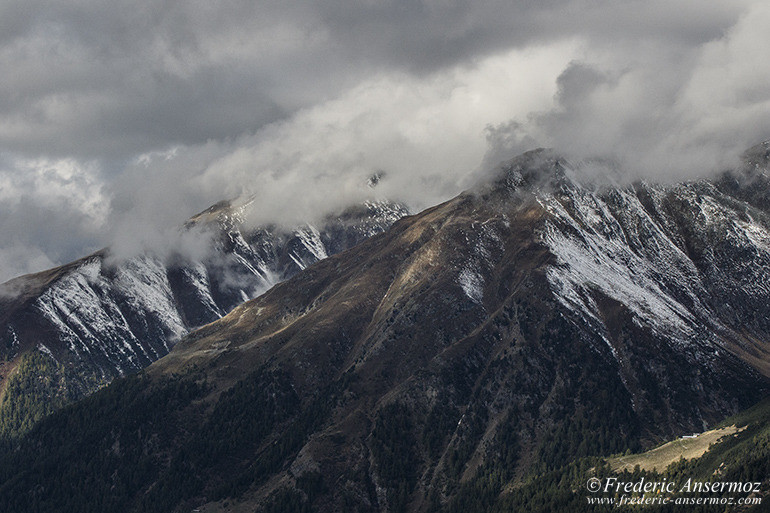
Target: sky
x=119, y=120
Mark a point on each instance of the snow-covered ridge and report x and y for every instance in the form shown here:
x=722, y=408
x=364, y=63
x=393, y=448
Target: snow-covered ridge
x=115, y=324
x=681, y=258
x=109, y=319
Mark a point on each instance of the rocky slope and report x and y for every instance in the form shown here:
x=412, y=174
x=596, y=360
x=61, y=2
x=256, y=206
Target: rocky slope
x=528, y=322
x=102, y=318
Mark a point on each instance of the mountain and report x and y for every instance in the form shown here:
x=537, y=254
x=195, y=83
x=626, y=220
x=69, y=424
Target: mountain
x=99, y=318
x=525, y=324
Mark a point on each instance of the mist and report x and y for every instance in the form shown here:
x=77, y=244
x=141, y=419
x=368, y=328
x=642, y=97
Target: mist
x=117, y=123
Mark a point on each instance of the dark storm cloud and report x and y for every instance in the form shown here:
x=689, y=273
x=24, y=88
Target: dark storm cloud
x=99, y=79
x=109, y=80
x=424, y=35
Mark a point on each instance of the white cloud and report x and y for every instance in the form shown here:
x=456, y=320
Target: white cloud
x=65, y=181
x=727, y=99
x=53, y=210
x=426, y=133
x=662, y=111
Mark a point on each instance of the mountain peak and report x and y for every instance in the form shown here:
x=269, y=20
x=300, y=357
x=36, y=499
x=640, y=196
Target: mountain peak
x=758, y=156
x=535, y=171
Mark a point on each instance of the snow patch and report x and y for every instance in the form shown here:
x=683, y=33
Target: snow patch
x=44, y=349
x=593, y=254
x=472, y=284
x=311, y=239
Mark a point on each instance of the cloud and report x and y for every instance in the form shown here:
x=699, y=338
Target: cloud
x=659, y=112
x=426, y=134
x=160, y=109
x=95, y=80
x=52, y=210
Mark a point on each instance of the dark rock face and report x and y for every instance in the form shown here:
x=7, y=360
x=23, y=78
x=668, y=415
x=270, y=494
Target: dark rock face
x=503, y=333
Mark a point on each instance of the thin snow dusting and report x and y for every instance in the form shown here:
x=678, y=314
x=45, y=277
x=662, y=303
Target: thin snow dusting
x=482, y=242
x=472, y=284
x=89, y=312
x=593, y=255
x=297, y=261
x=756, y=234
x=198, y=277
x=14, y=338
x=311, y=239
x=144, y=282
x=246, y=264
x=384, y=213
x=86, y=321
x=611, y=243
x=44, y=349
